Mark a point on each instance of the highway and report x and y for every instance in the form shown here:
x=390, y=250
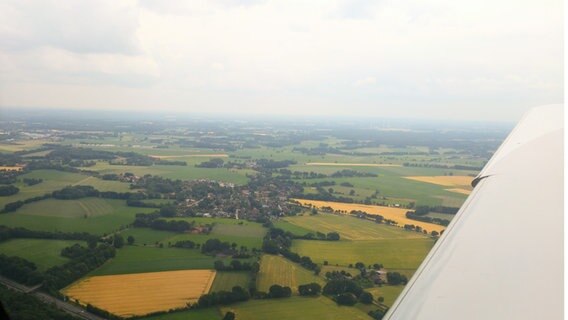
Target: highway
x=67, y=307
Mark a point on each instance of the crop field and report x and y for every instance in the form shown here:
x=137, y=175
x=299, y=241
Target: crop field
x=298, y=308
x=22, y=145
x=44, y=253
x=93, y=215
x=250, y=230
x=335, y=164
x=278, y=270
x=137, y=259
x=293, y=228
x=447, y=181
x=226, y=280
x=138, y=294
x=392, y=253
x=396, y=214
x=104, y=185
x=351, y=228
x=10, y=168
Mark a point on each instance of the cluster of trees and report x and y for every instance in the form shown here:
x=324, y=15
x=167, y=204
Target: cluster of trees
x=142, y=204
x=75, y=192
x=212, y=163
x=330, y=236
x=395, y=278
x=234, y=265
x=169, y=162
x=310, y=289
x=273, y=164
x=156, y=184
x=442, y=222
x=8, y=190
x=24, y=306
x=422, y=210
x=32, y=181
x=83, y=261
x=9, y=176
x=347, y=173
x=186, y=244
x=347, y=292
x=237, y=294
x=18, y=232
x=20, y=270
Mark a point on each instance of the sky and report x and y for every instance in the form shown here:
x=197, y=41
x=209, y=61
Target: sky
x=432, y=59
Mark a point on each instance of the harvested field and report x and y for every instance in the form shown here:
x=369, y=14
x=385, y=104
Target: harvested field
x=352, y=164
x=459, y=190
x=278, y=270
x=396, y=214
x=10, y=168
x=447, y=181
x=142, y=293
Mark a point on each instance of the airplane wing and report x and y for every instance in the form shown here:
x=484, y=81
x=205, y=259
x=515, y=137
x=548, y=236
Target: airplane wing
x=502, y=255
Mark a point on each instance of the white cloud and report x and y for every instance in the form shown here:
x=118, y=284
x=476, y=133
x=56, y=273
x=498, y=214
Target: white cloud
x=411, y=57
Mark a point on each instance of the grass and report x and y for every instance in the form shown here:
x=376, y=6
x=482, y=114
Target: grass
x=298, y=308
x=196, y=314
x=136, y=259
x=278, y=270
x=249, y=242
x=350, y=228
x=389, y=293
x=146, y=236
x=44, y=253
x=293, y=228
x=103, y=215
x=249, y=230
x=392, y=253
x=226, y=280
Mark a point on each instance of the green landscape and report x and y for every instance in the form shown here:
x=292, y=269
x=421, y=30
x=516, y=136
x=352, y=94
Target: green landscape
x=79, y=206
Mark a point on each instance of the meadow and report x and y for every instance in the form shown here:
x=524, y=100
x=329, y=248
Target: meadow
x=298, y=308
x=389, y=293
x=349, y=228
x=195, y=314
x=44, y=253
x=137, y=259
x=278, y=270
x=405, y=254
x=94, y=215
x=142, y=293
x=226, y=280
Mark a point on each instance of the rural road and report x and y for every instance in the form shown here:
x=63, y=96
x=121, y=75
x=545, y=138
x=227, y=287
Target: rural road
x=67, y=307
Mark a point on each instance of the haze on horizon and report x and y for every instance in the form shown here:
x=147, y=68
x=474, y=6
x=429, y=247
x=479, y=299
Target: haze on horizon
x=482, y=60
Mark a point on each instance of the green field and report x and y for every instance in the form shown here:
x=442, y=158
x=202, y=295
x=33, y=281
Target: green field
x=44, y=253
x=249, y=230
x=136, y=259
x=196, y=314
x=293, y=228
x=392, y=253
x=297, y=308
x=249, y=242
x=389, y=293
x=147, y=236
x=350, y=228
x=278, y=270
x=226, y=280
x=93, y=215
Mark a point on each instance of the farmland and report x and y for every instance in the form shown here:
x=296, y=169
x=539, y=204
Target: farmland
x=393, y=253
x=278, y=270
x=300, y=308
x=142, y=293
x=226, y=280
x=94, y=215
x=396, y=214
x=349, y=228
x=136, y=259
x=44, y=253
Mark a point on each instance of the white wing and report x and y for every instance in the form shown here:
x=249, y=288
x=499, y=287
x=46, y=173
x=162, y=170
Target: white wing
x=502, y=255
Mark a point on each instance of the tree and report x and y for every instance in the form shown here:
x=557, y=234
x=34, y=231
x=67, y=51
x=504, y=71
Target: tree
x=346, y=299
x=352, y=192
x=130, y=240
x=366, y=298
x=278, y=291
x=333, y=236
x=310, y=289
x=395, y=278
x=229, y=316
x=118, y=241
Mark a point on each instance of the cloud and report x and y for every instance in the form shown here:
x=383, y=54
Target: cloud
x=365, y=82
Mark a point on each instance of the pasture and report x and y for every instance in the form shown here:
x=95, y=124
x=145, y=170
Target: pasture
x=195, y=314
x=139, y=259
x=44, y=253
x=226, y=280
x=278, y=270
x=94, y=215
x=389, y=293
x=392, y=253
x=138, y=294
x=396, y=214
x=350, y=228
x=295, y=307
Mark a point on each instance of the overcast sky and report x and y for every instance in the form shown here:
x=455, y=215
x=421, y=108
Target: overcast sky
x=460, y=59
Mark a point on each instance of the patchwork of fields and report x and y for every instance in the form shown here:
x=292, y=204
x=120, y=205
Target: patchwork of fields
x=142, y=293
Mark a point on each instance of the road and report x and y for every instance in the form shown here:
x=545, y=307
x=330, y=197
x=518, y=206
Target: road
x=67, y=307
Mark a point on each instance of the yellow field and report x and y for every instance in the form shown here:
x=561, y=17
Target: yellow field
x=352, y=164
x=10, y=168
x=462, y=183
x=396, y=214
x=128, y=295
x=220, y=155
